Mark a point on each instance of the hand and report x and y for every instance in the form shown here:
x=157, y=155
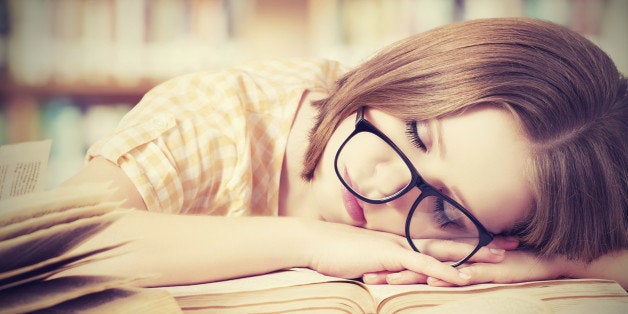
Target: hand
x=517, y=266
x=446, y=251
x=350, y=252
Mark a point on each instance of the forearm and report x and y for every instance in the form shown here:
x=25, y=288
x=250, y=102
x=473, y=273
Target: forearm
x=610, y=266
x=177, y=249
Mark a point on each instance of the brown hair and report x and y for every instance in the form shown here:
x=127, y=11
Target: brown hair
x=567, y=94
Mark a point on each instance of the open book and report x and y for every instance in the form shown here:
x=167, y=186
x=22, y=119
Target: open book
x=303, y=290
x=37, y=234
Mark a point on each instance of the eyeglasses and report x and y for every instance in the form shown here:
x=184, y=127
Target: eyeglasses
x=369, y=153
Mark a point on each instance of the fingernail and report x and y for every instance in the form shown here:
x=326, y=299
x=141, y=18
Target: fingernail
x=435, y=282
x=498, y=251
x=462, y=274
x=393, y=277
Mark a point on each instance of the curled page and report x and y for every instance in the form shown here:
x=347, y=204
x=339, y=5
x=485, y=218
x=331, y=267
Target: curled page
x=22, y=167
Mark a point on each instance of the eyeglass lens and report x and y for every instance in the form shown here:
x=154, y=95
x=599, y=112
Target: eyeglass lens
x=377, y=170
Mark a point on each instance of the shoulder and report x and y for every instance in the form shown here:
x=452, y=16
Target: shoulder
x=294, y=71
x=279, y=74
x=253, y=87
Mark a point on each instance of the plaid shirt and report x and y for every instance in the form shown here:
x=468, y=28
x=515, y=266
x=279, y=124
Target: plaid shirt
x=213, y=143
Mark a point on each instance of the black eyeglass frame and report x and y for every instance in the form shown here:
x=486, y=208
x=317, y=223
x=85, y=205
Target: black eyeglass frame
x=363, y=125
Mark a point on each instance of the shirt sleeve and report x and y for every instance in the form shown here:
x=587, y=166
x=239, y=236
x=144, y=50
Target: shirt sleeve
x=174, y=139
x=201, y=143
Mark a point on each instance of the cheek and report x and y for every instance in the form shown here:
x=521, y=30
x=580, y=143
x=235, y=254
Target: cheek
x=331, y=147
x=499, y=207
x=386, y=219
x=492, y=181
x=493, y=186
x=325, y=186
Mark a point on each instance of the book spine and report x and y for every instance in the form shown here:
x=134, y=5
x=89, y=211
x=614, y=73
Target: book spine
x=29, y=42
x=67, y=25
x=129, y=39
x=4, y=33
x=61, y=119
x=22, y=116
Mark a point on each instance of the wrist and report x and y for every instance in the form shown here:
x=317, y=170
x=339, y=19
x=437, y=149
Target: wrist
x=301, y=241
x=564, y=267
x=315, y=238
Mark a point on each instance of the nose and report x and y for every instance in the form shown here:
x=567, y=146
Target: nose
x=392, y=176
x=384, y=179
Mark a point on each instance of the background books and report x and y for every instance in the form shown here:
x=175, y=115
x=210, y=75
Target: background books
x=60, y=58
x=71, y=125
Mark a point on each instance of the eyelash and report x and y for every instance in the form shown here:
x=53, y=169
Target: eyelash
x=443, y=220
x=440, y=216
x=413, y=135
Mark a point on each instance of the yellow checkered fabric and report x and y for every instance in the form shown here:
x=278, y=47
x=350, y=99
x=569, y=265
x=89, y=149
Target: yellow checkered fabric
x=213, y=143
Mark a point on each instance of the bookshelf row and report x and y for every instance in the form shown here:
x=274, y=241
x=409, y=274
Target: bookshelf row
x=126, y=42
x=80, y=56
x=72, y=126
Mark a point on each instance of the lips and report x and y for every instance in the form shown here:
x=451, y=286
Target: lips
x=352, y=206
x=355, y=211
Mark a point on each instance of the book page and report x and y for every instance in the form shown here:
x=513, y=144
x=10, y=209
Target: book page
x=555, y=288
x=306, y=289
x=382, y=292
x=37, y=205
x=492, y=302
x=296, y=290
x=48, y=243
x=28, y=226
x=120, y=300
x=42, y=294
x=280, y=279
x=49, y=267
x=22, y=167
x=555, y=294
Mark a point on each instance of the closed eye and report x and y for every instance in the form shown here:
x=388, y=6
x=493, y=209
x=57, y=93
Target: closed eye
x=449, y=217
x=440, y=215
x=413, y=135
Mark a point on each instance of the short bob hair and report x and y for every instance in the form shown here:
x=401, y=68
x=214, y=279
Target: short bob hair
x=566, y=93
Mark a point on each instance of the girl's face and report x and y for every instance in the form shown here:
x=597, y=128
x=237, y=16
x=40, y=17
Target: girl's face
x=478, y=158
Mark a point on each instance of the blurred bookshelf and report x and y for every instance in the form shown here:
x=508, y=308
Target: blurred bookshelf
x=70, y=69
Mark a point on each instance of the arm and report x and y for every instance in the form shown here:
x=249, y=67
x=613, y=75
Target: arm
x=182, y=249
x=610, y=266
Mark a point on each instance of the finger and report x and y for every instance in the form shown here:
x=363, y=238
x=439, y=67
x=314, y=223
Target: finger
x=405, y=277
x=482, y=273
x=431, y=267
x=516, y=269
x=438, y=283
x=377, y=278
x=505, y=243
x=488, y=255
x=454, y=250
x=443, y=249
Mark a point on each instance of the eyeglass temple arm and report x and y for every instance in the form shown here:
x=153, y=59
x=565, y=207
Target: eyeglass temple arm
x=359, y=114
